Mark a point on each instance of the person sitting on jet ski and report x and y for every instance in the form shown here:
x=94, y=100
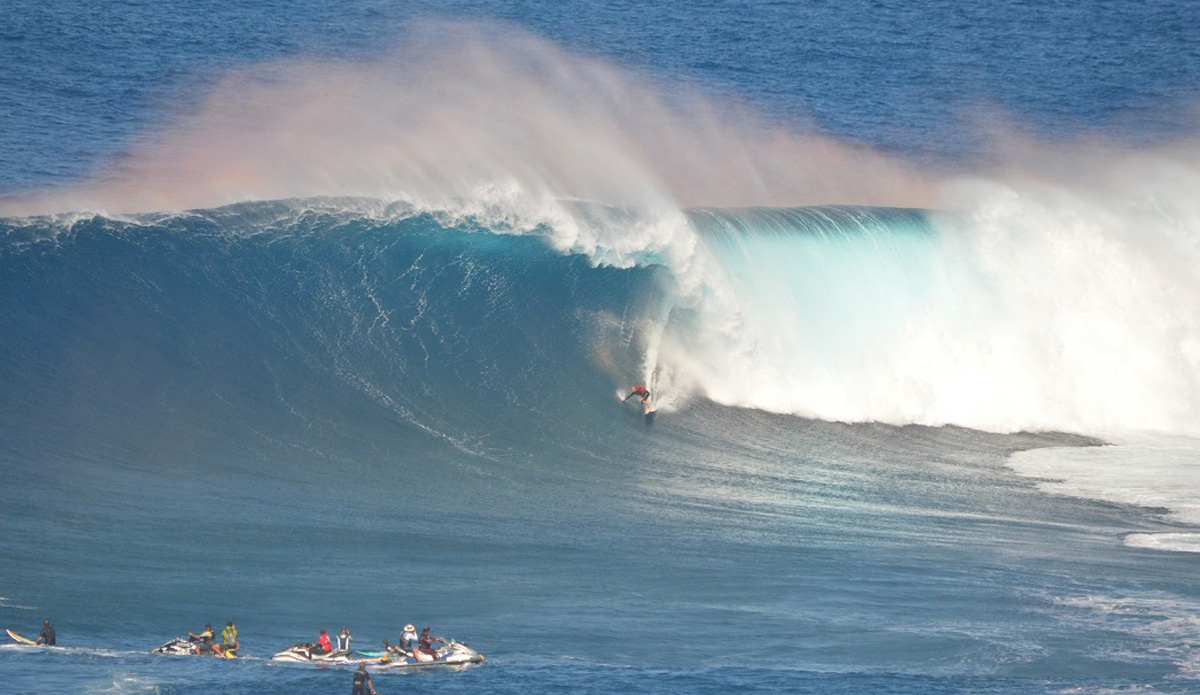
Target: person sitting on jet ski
x=409, y=640
x=324, y=646
x=343, y=640
x=229, y=641
x=203, y=641
x=425, y=642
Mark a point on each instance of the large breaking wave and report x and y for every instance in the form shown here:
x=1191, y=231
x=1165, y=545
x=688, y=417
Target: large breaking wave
x=682, y=241
x=449, y=325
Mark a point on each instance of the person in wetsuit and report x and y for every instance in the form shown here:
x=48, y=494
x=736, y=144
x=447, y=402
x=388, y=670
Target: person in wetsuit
x=362, y=681
x=47, y=635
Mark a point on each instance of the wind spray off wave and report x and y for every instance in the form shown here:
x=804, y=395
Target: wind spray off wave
x=466, y=116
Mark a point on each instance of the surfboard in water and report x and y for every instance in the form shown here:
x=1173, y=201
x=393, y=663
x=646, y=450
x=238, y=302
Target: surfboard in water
x=22, y=640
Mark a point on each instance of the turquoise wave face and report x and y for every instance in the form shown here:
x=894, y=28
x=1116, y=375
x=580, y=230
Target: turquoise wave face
x=819, y=283
x=205, y=329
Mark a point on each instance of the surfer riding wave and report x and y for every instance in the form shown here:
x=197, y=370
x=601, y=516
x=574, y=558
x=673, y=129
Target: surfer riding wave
x=641, y=391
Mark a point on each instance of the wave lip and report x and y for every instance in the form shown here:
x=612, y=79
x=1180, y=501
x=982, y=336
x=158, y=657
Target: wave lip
x=839, y=220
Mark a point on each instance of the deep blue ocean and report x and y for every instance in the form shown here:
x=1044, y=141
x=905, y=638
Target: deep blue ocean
x=320, y=314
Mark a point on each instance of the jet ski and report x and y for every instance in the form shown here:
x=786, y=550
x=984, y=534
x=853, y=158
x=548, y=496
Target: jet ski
x=184, y=646
x=308, y=653
x=450, y=653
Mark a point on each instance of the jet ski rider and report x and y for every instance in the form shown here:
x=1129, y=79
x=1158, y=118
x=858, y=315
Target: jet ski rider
x=425, y=642
x=229, y=641
x=409, y=641
x=343, y=640
x=203, y=641
x=324, y=646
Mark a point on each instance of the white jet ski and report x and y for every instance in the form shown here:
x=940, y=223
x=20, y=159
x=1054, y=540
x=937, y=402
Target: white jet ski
x=308, y=653
x=450, y=653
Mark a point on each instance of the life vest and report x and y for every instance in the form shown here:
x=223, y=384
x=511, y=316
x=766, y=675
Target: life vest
x=409, y=641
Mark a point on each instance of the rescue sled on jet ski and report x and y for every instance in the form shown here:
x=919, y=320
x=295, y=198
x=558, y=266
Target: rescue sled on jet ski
x=184, y=646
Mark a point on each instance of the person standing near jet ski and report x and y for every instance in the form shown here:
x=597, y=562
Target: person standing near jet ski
x=362, y=681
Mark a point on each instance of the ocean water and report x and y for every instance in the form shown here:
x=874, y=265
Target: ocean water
x=316, y=315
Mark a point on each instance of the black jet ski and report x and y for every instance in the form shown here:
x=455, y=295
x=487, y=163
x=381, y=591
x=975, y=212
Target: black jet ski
x=184, y=646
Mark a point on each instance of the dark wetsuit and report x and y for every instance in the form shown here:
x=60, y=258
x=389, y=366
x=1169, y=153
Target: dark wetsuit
x=362, y=683
x=47, y=635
